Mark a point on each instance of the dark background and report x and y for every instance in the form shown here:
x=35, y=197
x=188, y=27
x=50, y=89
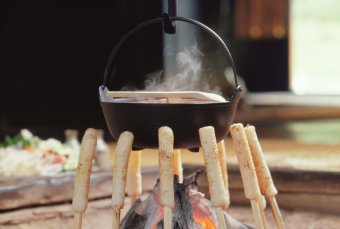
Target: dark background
x=53, y=58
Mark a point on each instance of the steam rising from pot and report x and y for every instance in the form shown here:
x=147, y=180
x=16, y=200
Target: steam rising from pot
x=188, y=75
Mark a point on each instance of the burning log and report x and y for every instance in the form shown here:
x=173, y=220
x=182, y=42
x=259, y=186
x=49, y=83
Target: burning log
x=192, y=209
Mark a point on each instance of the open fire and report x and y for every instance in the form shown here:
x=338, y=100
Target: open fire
x=192, y=210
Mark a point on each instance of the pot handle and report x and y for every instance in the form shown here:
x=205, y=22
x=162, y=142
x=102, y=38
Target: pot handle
x=165, y=21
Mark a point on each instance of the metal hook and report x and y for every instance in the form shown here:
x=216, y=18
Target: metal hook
x=169, y=26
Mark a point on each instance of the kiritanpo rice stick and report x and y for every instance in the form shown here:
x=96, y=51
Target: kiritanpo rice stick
x=264, y=176
x=217, y=190
x=247, y=168
x=83, y=173
x=178, y=168
x=119, y=175
x=134, y=177
x=166, y=144
x=223, y=162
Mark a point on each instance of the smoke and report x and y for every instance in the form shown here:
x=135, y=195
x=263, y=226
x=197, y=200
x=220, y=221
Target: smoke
x=189, y=74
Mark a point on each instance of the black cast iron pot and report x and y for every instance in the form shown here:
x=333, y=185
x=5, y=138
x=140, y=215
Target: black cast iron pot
x=144, y=119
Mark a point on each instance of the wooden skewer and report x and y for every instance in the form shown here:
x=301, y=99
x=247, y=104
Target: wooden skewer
x=276, y=212
x=166, y=94
x=119, y=175
x=262, y=205
x=264, y=219
x=82, y=178
x=257, y=214
x=223, y=162
x=178, y=168
x=263, y=173
x=217, y=190
x=167, y=211
x=78, y=220
x=134, y=177
x=166, y=174
x=116, y=218
x=247, y=168
x=220, y=218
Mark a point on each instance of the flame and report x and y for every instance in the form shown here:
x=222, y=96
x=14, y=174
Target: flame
x=203, y=213
x=202, y=217
x=199, y=219
x=204, y=221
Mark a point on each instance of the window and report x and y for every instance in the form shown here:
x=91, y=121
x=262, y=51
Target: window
x=315, y=47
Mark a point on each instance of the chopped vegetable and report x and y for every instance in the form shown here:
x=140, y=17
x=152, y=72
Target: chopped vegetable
x=26, y=154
